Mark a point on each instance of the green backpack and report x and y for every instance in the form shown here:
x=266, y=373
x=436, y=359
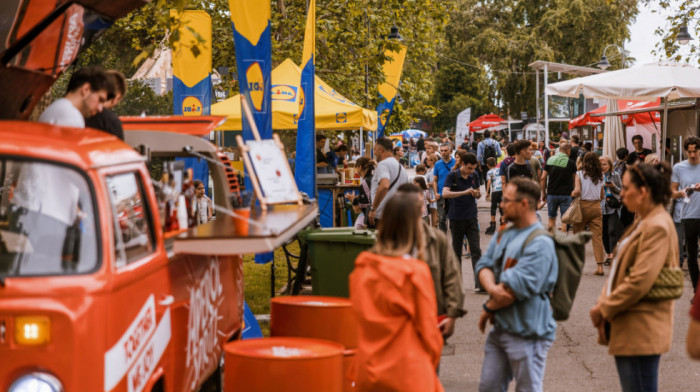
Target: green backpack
x=571, y=253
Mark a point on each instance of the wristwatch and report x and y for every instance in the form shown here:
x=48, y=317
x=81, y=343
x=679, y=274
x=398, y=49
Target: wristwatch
x=487, y=309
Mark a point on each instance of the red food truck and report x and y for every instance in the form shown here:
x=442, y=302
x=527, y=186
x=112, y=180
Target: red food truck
x=96, y=293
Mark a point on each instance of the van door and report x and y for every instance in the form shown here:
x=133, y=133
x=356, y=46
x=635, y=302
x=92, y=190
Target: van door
x=138, y=321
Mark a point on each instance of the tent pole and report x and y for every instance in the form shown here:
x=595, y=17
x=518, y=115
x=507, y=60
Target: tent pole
x=546, y=110
x=362, y=143
x=662, y=145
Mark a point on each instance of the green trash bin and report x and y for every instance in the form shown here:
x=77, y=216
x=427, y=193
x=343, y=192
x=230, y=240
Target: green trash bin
x=332, y=253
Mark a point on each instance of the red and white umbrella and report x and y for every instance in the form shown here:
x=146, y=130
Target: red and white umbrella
x=486, y=122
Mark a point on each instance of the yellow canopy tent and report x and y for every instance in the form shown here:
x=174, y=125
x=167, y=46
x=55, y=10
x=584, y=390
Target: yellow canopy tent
x=333, y=111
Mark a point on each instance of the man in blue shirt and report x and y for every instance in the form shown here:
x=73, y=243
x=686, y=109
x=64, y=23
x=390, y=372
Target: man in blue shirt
x=518, y=282
x=441, y=170
x=685, y=183
x=462, y=188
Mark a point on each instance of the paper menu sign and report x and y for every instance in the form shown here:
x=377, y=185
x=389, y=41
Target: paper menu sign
x=272, y=170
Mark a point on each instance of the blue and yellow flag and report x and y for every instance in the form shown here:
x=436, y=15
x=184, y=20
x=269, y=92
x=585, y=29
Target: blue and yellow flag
x=392, y=72
x=305, y=164
x=251, y=36
x=192, y=74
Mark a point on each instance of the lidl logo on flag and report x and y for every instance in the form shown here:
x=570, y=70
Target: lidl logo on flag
x=384, y=117
x=341, y=117
x=256, y=85
x=284, y=92
x=191, y=106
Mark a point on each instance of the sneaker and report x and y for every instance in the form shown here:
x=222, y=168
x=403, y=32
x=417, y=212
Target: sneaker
x=491, y=229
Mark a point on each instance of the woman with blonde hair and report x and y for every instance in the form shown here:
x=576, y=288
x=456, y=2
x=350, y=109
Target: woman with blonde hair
x=651, y=159
x=634, y=321
x=588, y=186
x=392, y=295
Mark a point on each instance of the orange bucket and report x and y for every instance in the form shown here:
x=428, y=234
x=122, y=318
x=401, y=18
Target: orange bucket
x=318, y=317
x=283, y=364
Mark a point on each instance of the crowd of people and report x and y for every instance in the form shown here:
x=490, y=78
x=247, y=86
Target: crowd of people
x=631, y=203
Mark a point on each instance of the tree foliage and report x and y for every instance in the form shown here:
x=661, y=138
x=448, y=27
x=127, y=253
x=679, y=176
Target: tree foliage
x=490, y=43
x=350, y=44
x=686, y=13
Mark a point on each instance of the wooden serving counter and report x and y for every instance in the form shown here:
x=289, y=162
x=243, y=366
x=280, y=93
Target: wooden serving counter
x=219, y=237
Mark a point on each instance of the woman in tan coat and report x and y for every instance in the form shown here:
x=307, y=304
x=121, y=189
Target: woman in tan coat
x=637, y=331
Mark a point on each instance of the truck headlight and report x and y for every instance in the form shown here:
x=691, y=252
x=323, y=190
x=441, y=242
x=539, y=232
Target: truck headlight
x=37, y=382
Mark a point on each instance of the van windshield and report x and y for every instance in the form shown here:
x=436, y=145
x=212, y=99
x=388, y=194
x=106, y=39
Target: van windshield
x=47, y=220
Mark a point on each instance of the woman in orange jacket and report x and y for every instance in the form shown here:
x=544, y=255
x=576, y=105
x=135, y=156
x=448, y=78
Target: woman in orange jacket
x=393, y=298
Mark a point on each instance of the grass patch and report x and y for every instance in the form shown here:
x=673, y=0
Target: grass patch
x=257, y=281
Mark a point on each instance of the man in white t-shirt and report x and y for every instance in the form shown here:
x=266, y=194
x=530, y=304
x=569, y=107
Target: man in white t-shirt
x=388, y=176
x=85, y=96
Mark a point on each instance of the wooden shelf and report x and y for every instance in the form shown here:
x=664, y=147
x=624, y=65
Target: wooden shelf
x=219, y=237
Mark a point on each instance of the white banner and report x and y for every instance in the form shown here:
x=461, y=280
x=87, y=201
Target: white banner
x=462, y=129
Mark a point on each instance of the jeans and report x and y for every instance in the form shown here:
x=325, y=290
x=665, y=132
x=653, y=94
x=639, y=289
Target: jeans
x=442, y=215
x=557, y=201
x=470, y=229
x=509, y=356
x=692, y=231
x=612, y=230
x=638, y=373
x=680, y=232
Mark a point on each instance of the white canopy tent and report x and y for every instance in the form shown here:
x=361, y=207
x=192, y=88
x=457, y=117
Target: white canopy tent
x=664, y=79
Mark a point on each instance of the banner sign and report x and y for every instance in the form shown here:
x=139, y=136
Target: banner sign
x=250, y=20
x=192, y=74
x=462, y=128
x=305, y=164
x=392, y=72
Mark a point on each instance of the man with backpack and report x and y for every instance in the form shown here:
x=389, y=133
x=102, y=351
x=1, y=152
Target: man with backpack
x=518, y=272
x=487, y=148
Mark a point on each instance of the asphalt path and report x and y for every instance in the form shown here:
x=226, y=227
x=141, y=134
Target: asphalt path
x=575, y=361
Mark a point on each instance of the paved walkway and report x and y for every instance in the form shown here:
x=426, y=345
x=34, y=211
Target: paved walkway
x=575, y=362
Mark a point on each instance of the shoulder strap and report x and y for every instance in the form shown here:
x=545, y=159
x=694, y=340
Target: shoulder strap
x=398, y=175
x=535, y=233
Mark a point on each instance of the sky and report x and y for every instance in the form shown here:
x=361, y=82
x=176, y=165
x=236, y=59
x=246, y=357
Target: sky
x=643, y=39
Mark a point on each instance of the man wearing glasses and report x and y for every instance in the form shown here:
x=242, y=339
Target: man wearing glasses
x=517, y=281
x=685, y=184
x=639, y=152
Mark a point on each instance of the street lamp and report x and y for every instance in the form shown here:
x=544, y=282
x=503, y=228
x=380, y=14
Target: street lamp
x=683, y=36
x=394, y=34
x=604, y=64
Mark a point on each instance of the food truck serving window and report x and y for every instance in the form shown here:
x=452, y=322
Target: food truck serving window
x=47, y=220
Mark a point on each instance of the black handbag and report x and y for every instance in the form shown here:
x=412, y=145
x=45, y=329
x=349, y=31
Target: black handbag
x=613, y=202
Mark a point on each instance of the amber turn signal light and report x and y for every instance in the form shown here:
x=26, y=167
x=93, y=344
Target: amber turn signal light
x=32, y=330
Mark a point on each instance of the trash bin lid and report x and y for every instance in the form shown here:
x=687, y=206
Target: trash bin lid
x=313, y=301
x=365, y=237
x=285, y=348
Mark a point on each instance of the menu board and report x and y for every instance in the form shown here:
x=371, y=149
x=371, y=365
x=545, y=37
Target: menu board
x=272, y=177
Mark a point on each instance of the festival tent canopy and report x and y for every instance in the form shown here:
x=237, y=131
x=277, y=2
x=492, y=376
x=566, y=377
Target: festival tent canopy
x=333, y=111
x=487, y=122
x=646, y=83
x=595, y=116
x=664, y=79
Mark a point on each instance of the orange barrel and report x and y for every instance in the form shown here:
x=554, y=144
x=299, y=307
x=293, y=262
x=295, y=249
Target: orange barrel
x=318, y=317
x=349, y=370
x=283, y=364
